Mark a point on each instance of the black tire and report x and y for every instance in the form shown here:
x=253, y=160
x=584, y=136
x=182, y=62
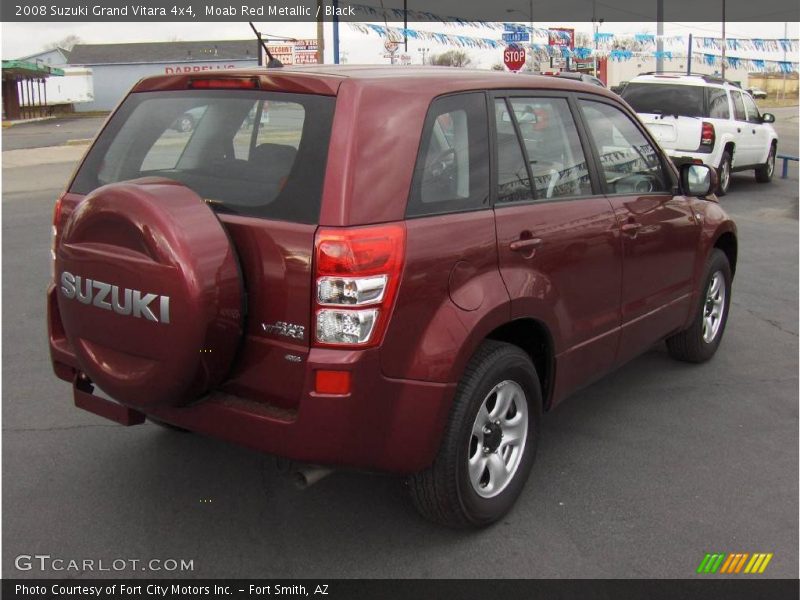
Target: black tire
x=689, y=345
x=443, y=493
x=724, y=179
x=764, y=172
x=168, y=426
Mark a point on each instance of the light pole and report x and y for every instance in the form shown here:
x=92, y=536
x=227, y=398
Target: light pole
x=724, y=41
x=530, y=25
x=424, y=52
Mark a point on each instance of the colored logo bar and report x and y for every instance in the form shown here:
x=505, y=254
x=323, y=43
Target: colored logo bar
x=733, y=563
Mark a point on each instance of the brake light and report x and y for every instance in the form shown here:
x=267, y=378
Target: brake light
x=224, y=83
x=707, y=134
x=357, y=272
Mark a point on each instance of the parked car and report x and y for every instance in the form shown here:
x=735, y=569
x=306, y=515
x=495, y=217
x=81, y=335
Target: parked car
x=578, y=76
x=186, y=122
x=707, y=120
x=757, y=93
x=408, y=298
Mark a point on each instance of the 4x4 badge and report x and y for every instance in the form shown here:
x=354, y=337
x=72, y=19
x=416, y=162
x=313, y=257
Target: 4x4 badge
x=291, y=330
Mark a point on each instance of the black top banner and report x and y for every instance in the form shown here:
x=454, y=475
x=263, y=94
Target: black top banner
x=398, y=11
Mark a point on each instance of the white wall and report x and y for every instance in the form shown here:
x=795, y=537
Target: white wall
x=73, y=88
x=628, y=69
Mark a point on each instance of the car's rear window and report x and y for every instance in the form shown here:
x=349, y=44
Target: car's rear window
x=666, y=99
x=245, y=152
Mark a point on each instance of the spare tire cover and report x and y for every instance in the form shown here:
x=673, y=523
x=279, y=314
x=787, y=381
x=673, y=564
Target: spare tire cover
x=150, y=292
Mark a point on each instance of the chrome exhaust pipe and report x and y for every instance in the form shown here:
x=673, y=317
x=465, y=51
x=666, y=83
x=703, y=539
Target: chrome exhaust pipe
x=307, y=475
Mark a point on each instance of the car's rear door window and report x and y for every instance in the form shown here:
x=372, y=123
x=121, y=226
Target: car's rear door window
x=244, y=152
x=629, y=162
x=513, y=179
x=718, y=107
x=553, y=147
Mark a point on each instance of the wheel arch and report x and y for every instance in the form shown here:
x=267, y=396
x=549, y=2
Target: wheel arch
x=728, y=243
x=534, y=338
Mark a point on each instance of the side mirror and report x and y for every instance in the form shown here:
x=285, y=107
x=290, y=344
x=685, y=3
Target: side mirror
x=698, y=180
x=767, y=118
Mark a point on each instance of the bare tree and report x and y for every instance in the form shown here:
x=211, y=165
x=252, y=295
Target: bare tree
x=66, y=43
x=451, y=58
x=498, y=67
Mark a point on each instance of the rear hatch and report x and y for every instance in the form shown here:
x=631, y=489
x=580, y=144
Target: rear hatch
x=258, y=159
x=672, y=112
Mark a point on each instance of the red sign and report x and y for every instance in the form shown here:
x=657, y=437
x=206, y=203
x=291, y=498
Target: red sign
x=514, y=57
x=561, y=36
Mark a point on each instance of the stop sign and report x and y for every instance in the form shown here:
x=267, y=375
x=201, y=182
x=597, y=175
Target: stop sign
x=514, y=57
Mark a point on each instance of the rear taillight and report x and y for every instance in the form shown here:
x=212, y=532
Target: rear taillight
x=707, y=135
x=357, y=272
x=53, y=236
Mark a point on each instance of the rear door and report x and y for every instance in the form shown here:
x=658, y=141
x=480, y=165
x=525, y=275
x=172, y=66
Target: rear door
x=659, y=231
x=558, y=242
x=258, y=160
x=745, y=150
x=756, y=131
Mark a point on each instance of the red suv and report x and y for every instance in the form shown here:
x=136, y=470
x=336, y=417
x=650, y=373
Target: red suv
x=397, y=270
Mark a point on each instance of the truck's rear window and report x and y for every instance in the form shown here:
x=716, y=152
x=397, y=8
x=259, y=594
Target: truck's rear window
x=666, y=99
x=245, y=152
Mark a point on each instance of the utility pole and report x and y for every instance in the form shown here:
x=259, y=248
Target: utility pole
x=660, y=35
x=320, y=34
x=689, y=57
x=594, y=35
x=724, y=40
x=530, y=38
x=785, y=37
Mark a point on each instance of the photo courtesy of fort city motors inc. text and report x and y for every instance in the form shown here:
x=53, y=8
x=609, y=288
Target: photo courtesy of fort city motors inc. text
x=397, y=299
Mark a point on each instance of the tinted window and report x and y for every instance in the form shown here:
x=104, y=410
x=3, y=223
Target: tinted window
x=513, y=183
x=752, y=110
x=718, y=107
x=665, y=99
x=630, y=164
x=452, y=170
x=738, y=106
x=553, y=147
x=244, y=152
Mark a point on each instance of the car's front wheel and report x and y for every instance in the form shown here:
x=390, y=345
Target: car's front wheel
x=700, y=341
x=490, y=442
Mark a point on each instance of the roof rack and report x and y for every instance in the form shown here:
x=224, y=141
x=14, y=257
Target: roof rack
x=704, y=77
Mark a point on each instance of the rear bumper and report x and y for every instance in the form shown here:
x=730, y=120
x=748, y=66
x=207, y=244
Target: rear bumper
x=384, y=424
x=680, y=158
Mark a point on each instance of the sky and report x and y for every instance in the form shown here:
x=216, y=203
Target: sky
x=21, y=39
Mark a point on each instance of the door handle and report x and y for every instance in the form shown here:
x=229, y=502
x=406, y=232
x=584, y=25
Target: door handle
x=525, y=244
x=631, y=228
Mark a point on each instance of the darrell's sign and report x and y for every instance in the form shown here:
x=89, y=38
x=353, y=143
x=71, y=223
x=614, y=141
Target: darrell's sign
x=169, y=70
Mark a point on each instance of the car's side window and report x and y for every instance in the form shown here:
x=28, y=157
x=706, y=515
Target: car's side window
x=452, y=170
x=629, y=162
x=513, y=181
x=753, y=116
x=738, y=106
x=718, y=107
x=557, y=163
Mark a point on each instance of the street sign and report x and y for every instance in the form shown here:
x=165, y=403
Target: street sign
x=514, y=57
x=511, y=27
x=517, y=36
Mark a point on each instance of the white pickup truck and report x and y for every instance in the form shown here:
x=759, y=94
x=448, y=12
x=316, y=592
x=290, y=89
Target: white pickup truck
x=706, y=120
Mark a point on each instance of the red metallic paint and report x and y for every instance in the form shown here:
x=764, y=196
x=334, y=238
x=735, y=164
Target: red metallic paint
x=460, y=282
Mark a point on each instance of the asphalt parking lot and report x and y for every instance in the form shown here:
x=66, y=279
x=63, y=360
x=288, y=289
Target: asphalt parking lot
x=638, y=475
